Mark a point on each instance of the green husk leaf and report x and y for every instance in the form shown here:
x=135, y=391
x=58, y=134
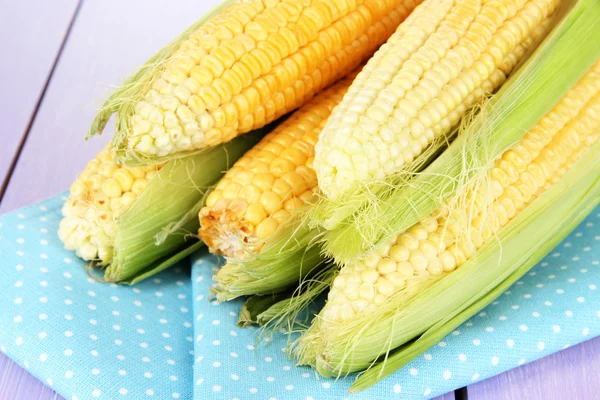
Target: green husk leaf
x=281, y=264
x=543, y=227
x=141, y=246
x=294, y=312
x=531, y=92
x=255, y=305
x=123, y=100
x=166, y=263
x=357, y=344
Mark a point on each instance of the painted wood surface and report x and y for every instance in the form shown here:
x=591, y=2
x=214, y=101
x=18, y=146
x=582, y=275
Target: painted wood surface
x=18, y=384
x=31, y=34
x=109, y=39
x=572, y=374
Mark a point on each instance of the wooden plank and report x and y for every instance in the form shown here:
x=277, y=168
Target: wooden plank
x=16, y=383
x=447, y=396
x=30, y=42
x=109, y=40
x=573, y=373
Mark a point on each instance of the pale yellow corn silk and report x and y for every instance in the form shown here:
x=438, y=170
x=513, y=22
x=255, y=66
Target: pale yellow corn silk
x=269, y=183
x=418, y=85
x=99, y=195
x=384, y=282
x=241, y=67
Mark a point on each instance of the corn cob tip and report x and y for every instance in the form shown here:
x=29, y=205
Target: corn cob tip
x=268, y=184
x=100, y=194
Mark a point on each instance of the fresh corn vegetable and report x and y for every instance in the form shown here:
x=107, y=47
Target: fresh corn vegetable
x=506, y=116
x=115, y=215
x=268, y=183
x=294, y=252
x=416, y=89
x=99, y=195
x=243, y=66
x=404, y=97
x=366, y=295
x=499, y=265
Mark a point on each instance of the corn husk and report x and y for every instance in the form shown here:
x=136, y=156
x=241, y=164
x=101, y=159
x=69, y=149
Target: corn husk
x=291, y=310
x=281, y=265
x=159, y=228
x=521, y=245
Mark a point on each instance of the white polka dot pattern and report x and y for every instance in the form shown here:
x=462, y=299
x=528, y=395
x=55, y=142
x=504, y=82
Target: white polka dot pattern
x=92, y=341
x=85, y=339
x=555, y=305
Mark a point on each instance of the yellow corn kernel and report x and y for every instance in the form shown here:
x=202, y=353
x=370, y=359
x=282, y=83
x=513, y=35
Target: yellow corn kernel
x=418, y=85
x=101, y=193
x=273, y=179
x=238, y=72
x=443, y=241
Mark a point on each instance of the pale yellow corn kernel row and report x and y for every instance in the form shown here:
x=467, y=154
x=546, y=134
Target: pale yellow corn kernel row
x=410, y=92
x=445, y=240
x=254, y=63
x=269, y=182
x=495, y=80
x=101, y=193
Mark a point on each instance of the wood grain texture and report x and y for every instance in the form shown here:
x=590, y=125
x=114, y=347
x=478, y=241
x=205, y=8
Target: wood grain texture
x=108, y=41
x=30, y=42
x=17, y=384
x=572, y=374
x=447, y=396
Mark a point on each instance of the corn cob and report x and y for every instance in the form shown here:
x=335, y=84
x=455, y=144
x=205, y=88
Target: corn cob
x=99, y=195
x=401, y=206
x=404, y=98
x=268, y=183
x=244, y=67
x=436, y=246
x=130, y=220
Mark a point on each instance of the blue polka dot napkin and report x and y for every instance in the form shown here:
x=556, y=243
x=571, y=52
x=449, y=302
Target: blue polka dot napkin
x=555, y=305
x=165, y=339
x=85, y=339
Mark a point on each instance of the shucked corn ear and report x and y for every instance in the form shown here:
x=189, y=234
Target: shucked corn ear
x=507, y=115
x=491, y=272
x=414, y=90
x=242, y=67
x=269, y=182
x=99, y=195
x=133, y=221
x=363, y=292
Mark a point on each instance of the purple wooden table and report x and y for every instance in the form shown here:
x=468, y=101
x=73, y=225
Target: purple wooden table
x=60, y=57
